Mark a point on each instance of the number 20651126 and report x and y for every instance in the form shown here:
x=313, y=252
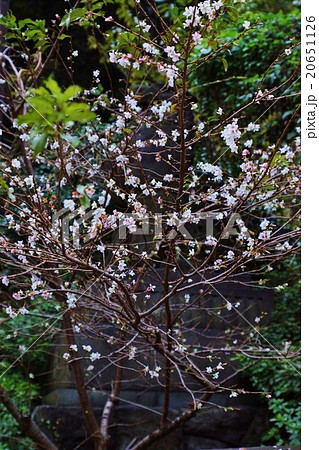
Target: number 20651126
x=310, y=47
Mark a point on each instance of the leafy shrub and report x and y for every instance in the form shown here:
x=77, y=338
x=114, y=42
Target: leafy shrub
x=281, y=377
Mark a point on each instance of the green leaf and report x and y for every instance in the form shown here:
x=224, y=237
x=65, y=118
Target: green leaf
x=23, y=22
x=225, y=64
x=74, y=140
x=71, y=92
x=73, y=16
x=213, y=45
x=3, y=185
x=233, y=14
x=37, y=141
x=81, y=189
x=63, y=36
x=78, y=112
x=53, y=87
x=84, y=199
x=50, y=107
x=279, y=160
x=41, y=105
x=126, y=38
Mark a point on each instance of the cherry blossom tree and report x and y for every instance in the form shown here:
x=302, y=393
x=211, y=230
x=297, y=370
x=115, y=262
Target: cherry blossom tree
x=113, y=228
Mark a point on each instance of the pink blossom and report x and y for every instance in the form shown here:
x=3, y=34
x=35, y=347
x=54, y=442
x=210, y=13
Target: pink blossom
x=217, y=5
x=230, y=133
x=253, y=127
x=5, y=281
x=197, y=38
x=113, y=56
x=151, y=288
x=171, y=53
x=124, y=61
x=10, y=312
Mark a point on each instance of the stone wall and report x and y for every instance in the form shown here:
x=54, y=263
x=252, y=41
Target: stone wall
x=232, y=422
x=215, y=428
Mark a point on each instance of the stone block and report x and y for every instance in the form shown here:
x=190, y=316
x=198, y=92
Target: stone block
x=134, y=423
x=199, y=443
x=227, y=426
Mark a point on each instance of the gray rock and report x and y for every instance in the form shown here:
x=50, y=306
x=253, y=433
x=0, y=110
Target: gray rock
x=228, y=426
x=198, y=443
x=65, y=426
x=135, y=423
